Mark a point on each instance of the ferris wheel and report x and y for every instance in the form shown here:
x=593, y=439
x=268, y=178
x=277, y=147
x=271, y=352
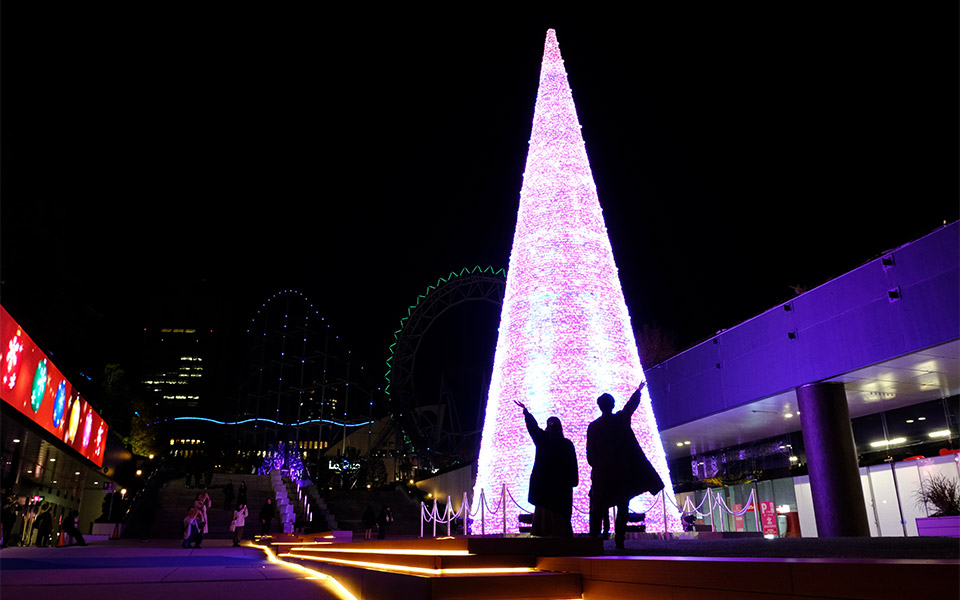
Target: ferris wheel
x=431, y=429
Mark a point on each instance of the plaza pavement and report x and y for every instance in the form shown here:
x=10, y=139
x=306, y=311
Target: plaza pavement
x=156, y=570
x=162, y=570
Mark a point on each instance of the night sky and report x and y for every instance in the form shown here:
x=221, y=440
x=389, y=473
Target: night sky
x=357, y=158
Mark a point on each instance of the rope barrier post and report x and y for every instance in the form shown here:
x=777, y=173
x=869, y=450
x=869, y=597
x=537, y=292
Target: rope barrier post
x=666, y=526
x=447, y=513
x=722, y=518
x=713, y=524
x=422, y=506
x=503, y=506
x=434, y=515
x=756, y=509
x=483, y=500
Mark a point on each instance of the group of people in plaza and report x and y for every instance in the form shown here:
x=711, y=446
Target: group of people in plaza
x=620, y=470
x=33, y=523
x=197, y=523
x=380, y=522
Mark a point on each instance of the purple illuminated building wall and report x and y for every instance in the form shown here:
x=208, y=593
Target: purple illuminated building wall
x=565, y=333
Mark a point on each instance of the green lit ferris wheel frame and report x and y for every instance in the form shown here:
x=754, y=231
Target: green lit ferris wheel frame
x=468, y=285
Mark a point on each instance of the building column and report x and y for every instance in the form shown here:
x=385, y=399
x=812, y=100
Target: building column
x=832, y=461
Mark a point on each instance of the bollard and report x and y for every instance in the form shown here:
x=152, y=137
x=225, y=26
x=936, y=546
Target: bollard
x=666, y=527
x=503, y=506
x=713, y=524
x=483, y=529
x=447, y=514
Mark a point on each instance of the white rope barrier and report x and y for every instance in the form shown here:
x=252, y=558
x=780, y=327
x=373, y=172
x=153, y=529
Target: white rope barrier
x=517, y=504
x=716, y=504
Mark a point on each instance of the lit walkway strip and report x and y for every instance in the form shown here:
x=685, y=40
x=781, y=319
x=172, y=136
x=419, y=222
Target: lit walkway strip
x=391, y=551
x=419, y=570
x=310, y=573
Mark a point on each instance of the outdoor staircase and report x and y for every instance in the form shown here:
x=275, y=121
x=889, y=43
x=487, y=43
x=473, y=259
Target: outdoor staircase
x=348, y=506
x=175, y=499
x=285, y=503
x=445, y=568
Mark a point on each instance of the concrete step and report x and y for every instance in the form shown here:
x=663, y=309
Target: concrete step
x=500, y=568
x=437, y=569
x=175, y=499
x=611, y=577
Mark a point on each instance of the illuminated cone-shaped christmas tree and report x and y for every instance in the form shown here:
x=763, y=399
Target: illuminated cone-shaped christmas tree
x=565, y=333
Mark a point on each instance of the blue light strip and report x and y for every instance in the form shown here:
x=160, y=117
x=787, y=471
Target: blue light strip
x=301, y=424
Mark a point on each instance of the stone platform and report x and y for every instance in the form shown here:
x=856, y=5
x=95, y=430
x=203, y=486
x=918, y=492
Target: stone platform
x=469, y=567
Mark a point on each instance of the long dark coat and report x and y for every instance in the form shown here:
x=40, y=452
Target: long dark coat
x=555, y=472
x=620, y=469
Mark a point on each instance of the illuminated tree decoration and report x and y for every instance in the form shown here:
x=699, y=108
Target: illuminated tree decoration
x=286, y=459
x=565, y=333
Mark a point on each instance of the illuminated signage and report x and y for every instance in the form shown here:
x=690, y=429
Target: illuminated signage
x=30, y=383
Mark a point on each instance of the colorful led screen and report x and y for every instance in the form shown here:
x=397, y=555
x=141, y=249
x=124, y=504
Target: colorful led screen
x=30, y=383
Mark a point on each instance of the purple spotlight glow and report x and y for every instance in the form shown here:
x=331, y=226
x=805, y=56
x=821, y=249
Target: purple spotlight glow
x=565, y=333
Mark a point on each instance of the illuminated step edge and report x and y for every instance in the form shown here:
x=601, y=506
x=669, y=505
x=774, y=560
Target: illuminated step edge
x=754, y=577
x=458, y=546
x=399, y=566
x=423, y=562
x=374, y=580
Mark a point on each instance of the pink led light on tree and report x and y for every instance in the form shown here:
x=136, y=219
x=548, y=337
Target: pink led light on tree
x=565, y=333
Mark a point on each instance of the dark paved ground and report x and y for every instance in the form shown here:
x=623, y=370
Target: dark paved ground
x=161, y=570
x=912, y=547
x=156, y=570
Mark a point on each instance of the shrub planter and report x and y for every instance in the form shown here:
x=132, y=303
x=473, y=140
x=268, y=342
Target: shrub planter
x=939, y=526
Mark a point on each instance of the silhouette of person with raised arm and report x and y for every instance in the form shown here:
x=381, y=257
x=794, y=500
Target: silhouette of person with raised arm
x=553, y=477
x=620, y=469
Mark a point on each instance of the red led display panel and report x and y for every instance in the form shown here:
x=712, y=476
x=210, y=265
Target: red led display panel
x=30, y=383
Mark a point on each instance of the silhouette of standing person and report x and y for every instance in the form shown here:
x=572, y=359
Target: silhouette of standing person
x=620, y=469
x=242, y=493
x=553, y=477
x=383, y=520
x=44, y=526
x=369, y=522
x=228, y=495
x=266, y=516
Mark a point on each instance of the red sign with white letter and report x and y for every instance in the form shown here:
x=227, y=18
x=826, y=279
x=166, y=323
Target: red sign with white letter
x=768, y=518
